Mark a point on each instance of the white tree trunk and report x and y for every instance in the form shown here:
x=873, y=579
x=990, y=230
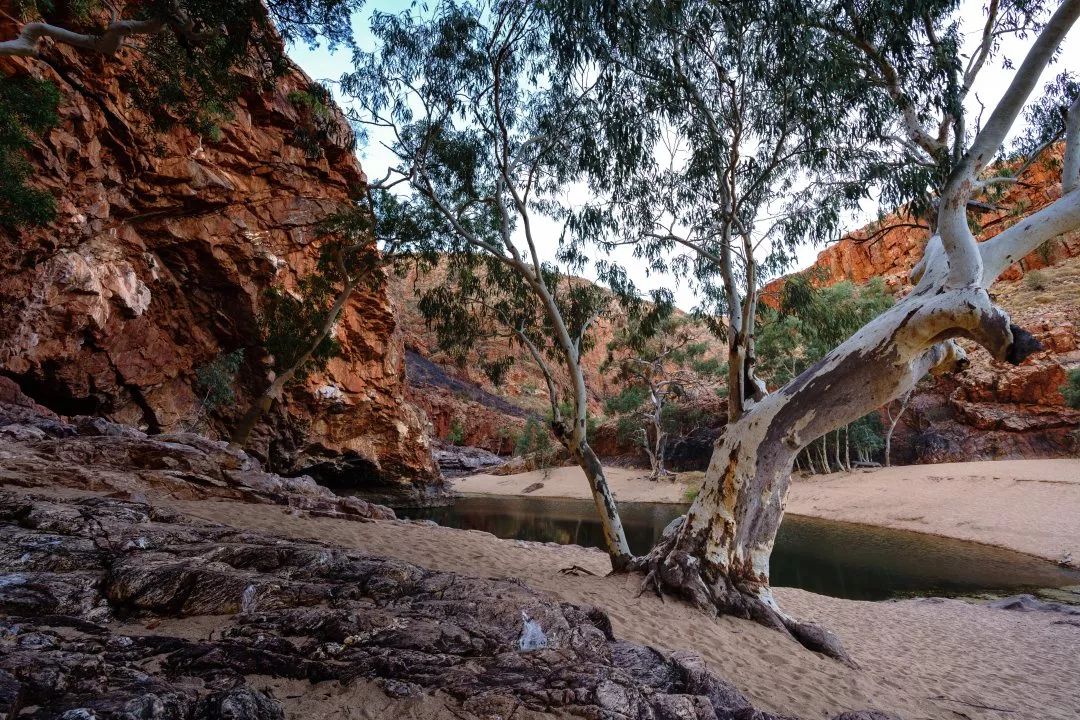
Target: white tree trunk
x=718, y=557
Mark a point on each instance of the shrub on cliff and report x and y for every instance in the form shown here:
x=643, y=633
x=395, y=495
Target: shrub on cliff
x=193, y=57
x=1071, y=389
x=27, y=109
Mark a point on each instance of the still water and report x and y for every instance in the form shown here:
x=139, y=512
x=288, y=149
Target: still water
x=845, y=560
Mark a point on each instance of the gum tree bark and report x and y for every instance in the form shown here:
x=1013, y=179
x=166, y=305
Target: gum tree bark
x=718, y=557
x=893, y=420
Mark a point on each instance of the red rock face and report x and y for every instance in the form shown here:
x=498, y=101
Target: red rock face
x=158, y=259
x=891, y=248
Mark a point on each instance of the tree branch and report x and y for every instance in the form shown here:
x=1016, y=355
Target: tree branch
x=1070, y=166
x=1009, y=246
x=993, y=133
x=107, y=43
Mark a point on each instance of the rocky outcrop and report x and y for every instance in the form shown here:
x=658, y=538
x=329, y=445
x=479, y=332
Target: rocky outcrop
x=891, y=247
x=163, y=246
x=39, y=450
x=325, y=618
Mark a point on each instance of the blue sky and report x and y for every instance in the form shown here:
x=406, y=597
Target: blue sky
x=321, y=64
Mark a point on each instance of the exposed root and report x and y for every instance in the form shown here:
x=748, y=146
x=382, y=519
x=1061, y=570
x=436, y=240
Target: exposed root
x=651, y=583
x=679, y=573
x=577, y=571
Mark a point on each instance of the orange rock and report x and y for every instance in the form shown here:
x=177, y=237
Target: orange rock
x=157, y=261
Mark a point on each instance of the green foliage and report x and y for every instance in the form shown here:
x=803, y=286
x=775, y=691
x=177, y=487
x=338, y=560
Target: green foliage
x=682, y=418
x=318, y=120
x=209, y=51
x=629, y=399
x=215, y=379
x=1071, y=389
x=28, y=108
x=535, y=438
x=868, y=434
x=812, y=321
x=1035, y=280
x=489, y=131
x=290, y=322
x=456, y=435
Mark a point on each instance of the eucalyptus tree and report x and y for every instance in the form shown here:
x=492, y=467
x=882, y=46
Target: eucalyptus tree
x=744, y=170
x=489, y=133
x=297, y=324
x=659, y=356
x=911, y=76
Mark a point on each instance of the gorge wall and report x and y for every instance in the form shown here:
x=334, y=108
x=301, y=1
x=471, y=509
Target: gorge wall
x=157, y=261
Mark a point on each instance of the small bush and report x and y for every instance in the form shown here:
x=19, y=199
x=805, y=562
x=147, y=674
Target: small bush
x=1071, y=389
x=534, y=437
x=215, y=379
x=628, y=400
x=1035, y=280
x=456, y=436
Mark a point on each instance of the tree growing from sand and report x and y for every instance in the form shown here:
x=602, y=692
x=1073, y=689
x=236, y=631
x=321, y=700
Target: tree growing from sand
x=658, y=360
x=489, y=134
x=916, y=76
x=746, y=145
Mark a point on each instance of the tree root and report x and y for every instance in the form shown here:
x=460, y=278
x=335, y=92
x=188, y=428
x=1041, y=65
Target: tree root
x=679, y=574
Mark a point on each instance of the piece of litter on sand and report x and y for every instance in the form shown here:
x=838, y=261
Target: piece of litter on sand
x=532, y=636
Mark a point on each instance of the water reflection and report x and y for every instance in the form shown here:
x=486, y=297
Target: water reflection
x=840, y=559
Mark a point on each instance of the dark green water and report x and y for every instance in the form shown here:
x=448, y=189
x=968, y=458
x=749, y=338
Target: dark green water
x=845, y=560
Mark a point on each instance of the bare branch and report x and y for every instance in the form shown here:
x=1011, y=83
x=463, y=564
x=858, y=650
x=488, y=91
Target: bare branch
x=107, y=43
x=1009, y=246
x=989, y=139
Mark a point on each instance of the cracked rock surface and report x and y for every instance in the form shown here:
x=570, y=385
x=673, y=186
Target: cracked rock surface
x=82, y=579
x=38, y=449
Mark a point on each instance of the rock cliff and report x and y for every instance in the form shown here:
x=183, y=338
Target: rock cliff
x=157, y=261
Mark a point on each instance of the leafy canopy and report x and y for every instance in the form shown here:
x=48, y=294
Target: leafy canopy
x=490, y=133
x=27, y=110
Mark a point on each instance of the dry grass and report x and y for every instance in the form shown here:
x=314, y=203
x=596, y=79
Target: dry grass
x=1059, y=284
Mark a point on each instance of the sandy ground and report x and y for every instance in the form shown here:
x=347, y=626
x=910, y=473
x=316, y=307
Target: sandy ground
x=922, y=659
x=1032, y=506
x=1028, y=505
x=627, y=485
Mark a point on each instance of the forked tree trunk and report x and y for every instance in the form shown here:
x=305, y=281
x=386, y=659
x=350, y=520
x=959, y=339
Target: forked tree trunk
x=904, y=400
x=718, y=556
x=657, y=446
